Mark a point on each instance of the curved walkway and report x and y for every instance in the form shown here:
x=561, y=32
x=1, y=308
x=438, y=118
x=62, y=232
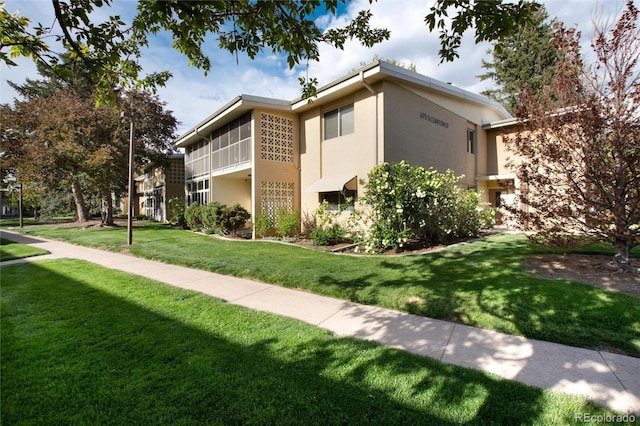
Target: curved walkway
x=606, y=378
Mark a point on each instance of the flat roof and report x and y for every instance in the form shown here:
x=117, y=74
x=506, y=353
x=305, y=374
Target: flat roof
x=233, y=109
x=362, y=77
x=380, y=70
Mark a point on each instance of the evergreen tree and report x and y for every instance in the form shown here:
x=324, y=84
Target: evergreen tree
x=525, y=58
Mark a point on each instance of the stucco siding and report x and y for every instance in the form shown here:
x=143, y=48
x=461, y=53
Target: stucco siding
x=276, y=164
x=350, y=155
x=425, y=134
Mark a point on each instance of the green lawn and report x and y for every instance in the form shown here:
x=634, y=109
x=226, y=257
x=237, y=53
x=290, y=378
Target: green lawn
x=26, y=221
x=481, y=283
x=83, y=344
x=10, y=250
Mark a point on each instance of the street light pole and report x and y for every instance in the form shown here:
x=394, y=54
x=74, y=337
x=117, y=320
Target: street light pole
x=132, y=133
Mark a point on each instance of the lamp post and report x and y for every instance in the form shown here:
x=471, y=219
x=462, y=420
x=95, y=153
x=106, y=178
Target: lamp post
x=132, y=133
x=20, y=206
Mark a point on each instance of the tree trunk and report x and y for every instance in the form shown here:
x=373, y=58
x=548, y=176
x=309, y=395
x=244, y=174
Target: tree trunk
x=107, y=208
x=623, y=260
x=78, y=198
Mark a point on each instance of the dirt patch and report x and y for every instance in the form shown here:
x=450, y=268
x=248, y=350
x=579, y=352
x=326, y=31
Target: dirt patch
x=588, y=269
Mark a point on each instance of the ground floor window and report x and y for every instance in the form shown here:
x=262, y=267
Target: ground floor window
x=198, y=192
x=339, y=200
x=153, y=206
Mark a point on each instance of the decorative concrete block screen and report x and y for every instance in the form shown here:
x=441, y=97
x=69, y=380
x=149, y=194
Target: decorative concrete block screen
x=277, y=138
x=276, y=196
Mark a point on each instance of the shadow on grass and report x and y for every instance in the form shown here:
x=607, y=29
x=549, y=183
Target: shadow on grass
x=485, y=285
x=130, y=351
x=11, y=250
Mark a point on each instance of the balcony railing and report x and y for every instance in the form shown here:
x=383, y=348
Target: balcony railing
x=231, y=156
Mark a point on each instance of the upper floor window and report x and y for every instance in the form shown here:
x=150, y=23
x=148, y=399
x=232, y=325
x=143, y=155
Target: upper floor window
x=338, y=122
x=471, y=141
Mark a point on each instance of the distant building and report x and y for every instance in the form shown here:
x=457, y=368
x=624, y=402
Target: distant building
x=270, y=154
x=7, y=209
x=156, y=185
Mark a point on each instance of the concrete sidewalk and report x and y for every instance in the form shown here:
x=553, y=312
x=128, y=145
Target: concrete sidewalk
x=606, y=378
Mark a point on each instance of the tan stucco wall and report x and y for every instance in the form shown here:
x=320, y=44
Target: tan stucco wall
x=471, y=111
x=265, y=170
x=497, y=155
x=349, y=155
x=425, y=134
x=230, y=191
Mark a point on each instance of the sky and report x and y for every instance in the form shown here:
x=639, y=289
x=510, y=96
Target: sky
x=192, y=96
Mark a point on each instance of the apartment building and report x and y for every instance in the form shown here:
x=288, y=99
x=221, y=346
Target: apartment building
x=157, y=184
x=268, y=154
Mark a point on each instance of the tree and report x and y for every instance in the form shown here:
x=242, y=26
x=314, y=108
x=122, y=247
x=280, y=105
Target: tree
x=111, y=50
x=525, y=58
x=579, y=151
x=491, y=19
x=59, y=137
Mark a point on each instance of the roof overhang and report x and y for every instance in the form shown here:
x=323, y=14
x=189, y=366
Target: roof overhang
x=381, y=70
x=333, y=183
x=232, y=110
x=501, y=124
x=495, y=177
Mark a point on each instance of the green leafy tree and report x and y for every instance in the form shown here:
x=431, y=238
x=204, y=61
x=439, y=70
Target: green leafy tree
x=580, y=163
x=490, y=19
x=526, y=58
x=15, y=37
x=58, y=136
x=110, y=50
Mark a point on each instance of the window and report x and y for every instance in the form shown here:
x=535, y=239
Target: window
x=471, y=141
x=245, y=126
x=339, y=122
x=198, y=192
x=339, y=199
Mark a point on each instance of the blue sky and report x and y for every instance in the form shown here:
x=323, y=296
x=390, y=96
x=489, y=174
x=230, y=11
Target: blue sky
x=192, y=96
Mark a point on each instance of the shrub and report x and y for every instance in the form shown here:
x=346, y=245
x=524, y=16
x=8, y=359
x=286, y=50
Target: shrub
x=309, y=222
x=233, y=218
x=176, y=211
x=328, y=236
x=193, y=217
x=411, y=203
x=287, y=223
x=211, y=214
x=262, y=224
x=328, y=229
